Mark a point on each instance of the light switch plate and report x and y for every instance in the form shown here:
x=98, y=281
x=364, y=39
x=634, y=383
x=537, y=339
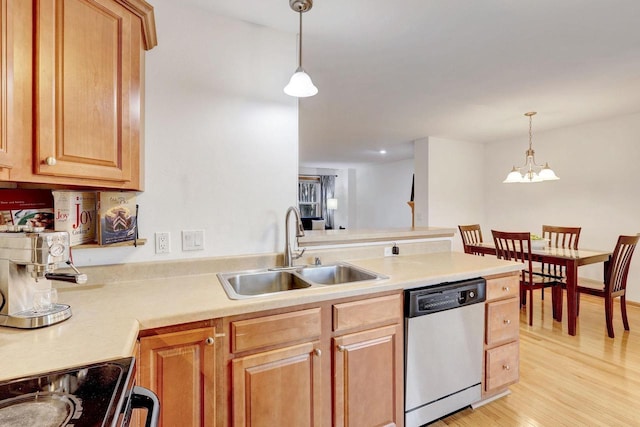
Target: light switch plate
x=192, y=240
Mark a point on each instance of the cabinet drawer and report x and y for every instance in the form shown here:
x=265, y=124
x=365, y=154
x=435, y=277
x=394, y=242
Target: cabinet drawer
x=348, y=315
x=503, y=319
x=274, y=330
x=503, y=287
x=502, y=366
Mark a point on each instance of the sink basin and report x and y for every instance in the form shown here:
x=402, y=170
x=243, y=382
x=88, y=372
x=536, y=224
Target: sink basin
x=336, y=274
x=257, y=283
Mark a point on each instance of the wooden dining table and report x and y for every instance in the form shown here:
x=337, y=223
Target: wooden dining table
x=570, y=259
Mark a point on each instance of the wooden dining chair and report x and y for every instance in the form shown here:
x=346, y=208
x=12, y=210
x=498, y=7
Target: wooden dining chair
x=615, y=281
x=516, y=246
x=470, y=234
x=559, y=237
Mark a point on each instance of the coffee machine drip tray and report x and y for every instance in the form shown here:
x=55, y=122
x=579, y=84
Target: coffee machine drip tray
x=30, y=319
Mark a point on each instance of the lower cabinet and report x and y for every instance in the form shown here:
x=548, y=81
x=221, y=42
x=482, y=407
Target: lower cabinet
x=367, y=390
x=341, y=366
x=278, y=388
x=180, y=367
x=335, y=363
x=502, y=327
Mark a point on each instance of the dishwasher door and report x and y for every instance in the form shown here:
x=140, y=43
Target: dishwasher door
x=443, y=362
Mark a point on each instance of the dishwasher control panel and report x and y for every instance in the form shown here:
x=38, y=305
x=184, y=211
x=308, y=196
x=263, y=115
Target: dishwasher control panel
x=431, y=299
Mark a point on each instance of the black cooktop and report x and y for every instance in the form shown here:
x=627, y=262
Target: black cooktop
x=89, y=395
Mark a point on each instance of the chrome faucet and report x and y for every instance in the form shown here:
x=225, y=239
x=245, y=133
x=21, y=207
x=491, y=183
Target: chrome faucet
x=290, y=255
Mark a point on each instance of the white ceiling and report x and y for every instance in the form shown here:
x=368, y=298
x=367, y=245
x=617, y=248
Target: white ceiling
x=390, y=72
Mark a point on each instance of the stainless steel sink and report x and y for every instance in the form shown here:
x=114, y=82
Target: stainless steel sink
x=255, y=283
x=249, y=284
x=336, y=274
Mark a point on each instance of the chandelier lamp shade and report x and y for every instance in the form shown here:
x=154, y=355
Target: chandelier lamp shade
x=530, y=171
x=300, y=84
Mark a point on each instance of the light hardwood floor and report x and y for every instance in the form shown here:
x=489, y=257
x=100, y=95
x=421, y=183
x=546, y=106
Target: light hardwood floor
x=586, y=380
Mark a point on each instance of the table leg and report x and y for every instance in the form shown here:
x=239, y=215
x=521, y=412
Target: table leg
x=572, y=279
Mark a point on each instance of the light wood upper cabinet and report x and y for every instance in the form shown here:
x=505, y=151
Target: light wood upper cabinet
x=82, y=121
x=88, y=90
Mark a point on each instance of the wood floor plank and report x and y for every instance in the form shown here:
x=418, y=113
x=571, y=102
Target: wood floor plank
x=586, y=380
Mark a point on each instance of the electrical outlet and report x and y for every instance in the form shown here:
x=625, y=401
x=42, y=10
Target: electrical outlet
x=163, y=242
x=388, y=251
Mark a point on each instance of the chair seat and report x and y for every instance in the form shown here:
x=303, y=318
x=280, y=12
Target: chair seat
x=587, y=285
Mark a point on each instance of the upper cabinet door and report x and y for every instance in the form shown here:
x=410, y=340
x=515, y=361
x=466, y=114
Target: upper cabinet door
x=88, y=56
x=5, y=72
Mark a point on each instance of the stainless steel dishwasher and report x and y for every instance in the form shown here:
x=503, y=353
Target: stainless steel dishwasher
x=444, y=332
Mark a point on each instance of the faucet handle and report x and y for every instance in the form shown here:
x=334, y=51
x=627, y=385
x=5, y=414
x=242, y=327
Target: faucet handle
x=298, y=254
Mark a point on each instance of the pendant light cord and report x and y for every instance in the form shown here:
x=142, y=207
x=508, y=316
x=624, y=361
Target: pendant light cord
x=300, y=42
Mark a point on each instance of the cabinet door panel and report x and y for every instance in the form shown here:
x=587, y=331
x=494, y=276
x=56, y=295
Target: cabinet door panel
x=368, y=378
x=180, y=368
x=278, y=388
x=88, y=78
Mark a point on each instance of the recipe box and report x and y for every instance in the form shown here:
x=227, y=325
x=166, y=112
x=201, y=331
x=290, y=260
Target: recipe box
x=75, y=213
x=117, y=220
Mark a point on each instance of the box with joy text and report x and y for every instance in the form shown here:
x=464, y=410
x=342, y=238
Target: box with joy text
x=75, y=213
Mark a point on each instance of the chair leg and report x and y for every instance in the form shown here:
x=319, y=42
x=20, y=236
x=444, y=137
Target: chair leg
x=623, y=309
x=608, y=312
x=577, y=303
x=556, y=301
x=531, y=306
x=542, y=294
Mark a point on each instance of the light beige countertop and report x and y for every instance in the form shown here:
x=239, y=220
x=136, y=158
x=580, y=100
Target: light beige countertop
x=107, y=317
x=348, y=236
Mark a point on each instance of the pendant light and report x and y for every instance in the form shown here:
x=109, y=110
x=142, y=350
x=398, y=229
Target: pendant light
x=300, y=84
x=531, y=171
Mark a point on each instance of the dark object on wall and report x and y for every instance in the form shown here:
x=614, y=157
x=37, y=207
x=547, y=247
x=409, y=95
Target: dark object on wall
x=413, y=183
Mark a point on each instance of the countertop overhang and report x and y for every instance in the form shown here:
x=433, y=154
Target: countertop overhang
x=107, y=318
x=342, y=237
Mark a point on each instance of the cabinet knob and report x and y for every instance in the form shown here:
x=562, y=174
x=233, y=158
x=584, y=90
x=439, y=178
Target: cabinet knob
x=505, y=288
x=317, y=352
x=506, y=367
x=51, y=161
x=342, y=348
x=506, y=321
x=209, y=341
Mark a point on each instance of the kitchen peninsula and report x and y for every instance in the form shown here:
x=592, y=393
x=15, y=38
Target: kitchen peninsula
x=120, y=303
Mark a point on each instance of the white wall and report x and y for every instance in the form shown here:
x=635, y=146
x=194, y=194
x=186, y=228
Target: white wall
x=382, y=193
x=598, y=188
x=221, y=137
x=456, y=186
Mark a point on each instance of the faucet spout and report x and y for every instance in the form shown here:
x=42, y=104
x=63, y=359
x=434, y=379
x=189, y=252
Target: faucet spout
x=289, y=254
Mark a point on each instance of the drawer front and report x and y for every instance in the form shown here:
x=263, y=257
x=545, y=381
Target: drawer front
x=274, y=330
x=503, y=319
x=379, y=310
x=502, y=366
x=503, y=287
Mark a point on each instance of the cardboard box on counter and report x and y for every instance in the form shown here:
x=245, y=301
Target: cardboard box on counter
x=32, y=208
x=117, y=217
x=75, y=213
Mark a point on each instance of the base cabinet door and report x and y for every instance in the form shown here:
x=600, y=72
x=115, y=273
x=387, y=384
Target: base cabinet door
x=278, y=388
x=180, y=368
x=368, y=378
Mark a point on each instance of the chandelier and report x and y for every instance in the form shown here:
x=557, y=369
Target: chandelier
x=530, y=171
x=300, y=84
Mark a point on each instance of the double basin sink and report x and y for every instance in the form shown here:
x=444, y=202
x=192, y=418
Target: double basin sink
x=248, y=284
